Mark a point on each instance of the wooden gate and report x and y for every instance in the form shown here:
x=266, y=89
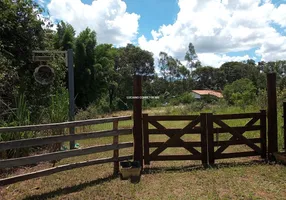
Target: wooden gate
x=194, y=126
x=237, y=135
x=209, y=127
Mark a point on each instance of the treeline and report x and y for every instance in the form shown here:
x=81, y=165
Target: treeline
x=103, y=73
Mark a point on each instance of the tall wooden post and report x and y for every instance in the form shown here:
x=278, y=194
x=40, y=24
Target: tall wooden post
x=137, y=118
x=263, y=133
x=204, y=137
x=284, y=124
x=116, y=151
x=210, y=138
x=272, y=116
x=71, y=92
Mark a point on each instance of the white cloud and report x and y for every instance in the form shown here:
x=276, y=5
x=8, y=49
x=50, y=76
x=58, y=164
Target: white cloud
x=216, y=60
x=217, y=27
x=107, y=17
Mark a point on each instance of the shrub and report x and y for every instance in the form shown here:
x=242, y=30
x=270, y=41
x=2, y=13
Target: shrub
x=20, y=116
x=241, y=92
x=185, y=98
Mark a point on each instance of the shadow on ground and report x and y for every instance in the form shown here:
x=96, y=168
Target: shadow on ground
x=72, y=189
x=152, y=170
x=155, y=170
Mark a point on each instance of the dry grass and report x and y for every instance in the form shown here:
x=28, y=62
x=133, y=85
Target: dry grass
x=247, y=178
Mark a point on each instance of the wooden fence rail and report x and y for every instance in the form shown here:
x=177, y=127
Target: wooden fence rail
x=115, y=146
x=61, y=125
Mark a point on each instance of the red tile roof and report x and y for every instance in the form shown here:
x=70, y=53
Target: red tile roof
x=208, y=92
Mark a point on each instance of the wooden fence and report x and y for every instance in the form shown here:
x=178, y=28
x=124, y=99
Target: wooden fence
x=237, y=137
x=203, y=125
x=16, y=162
x=174, y=138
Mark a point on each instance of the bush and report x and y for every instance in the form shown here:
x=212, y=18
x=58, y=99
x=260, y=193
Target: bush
x=241, y=92
x=20, y=116
x=185, y=98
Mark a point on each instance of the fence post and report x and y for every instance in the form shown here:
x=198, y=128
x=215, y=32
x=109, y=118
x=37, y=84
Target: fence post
x=263, y=133
x=204, y=137
x=71, y=93
x=210, y=138
x=146, y=140
x=272, y=116
x=116, y=151
x=284, y=124
x=137, y=117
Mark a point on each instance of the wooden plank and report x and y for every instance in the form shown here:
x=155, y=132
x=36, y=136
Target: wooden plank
x=116, y=151
x=146, y=140
x=236, y=142
x=41, y=127
x=172, y=118
x=60, y=138
x=176, y=157
x=43, y=58
x=238, y=135
x=236, y=155
x=195, y=130
x=137, y=119
x=60, y=168
x=210, y=138
x=157, y=125
x=170, y=135
x=239, y=129
x=158, y=144
x=248, y=124
x=272, y=116
x=60, y=155
x=176, y=137
x=204, y=142
x=263, y=133
x=236, y=116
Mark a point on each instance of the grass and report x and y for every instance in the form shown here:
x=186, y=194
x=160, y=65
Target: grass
x=245, y=178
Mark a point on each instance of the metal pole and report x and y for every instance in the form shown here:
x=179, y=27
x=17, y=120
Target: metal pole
x=71, y=92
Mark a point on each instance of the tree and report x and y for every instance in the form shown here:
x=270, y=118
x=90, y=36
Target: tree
x=192, y=58
x=86, y=70
x=171, y=68
x=65, y=36
x=241, y=92
x=132, y=60
x=105, y=56
x=21, y=32
x=209, y=78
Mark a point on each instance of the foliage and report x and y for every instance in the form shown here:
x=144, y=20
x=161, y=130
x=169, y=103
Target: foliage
x=58, y=111
x=185, y=98
x=19, y=116
x=192, y=58
x=21, y=32
x=240, y=92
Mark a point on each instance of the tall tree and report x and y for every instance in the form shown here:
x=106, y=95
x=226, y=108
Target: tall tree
x=192, y=58
x=86, y=89
x=130, y=61
x=21, y=32
x=65, y=36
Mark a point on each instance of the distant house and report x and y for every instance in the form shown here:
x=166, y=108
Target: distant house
x=199, y=93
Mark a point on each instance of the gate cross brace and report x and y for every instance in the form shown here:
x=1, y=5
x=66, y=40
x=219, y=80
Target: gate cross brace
x=175, y=137
x=237, y=135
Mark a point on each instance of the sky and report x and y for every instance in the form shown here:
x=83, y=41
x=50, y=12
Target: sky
x=221, y=30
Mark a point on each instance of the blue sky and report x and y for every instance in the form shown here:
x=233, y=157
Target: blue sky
x=221, y=30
